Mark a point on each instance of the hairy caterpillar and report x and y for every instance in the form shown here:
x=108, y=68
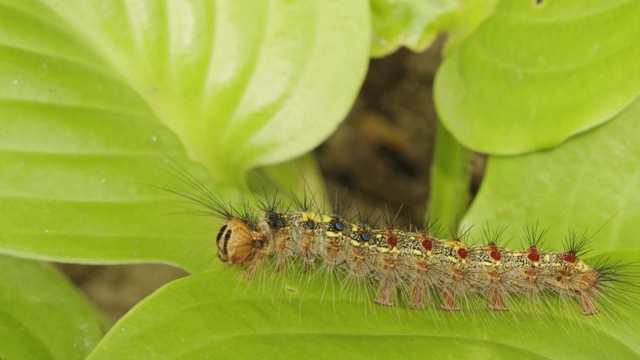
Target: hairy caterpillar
x=423, y=267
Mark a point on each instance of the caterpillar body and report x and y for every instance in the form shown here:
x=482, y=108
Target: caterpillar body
x=423, y=267
x=415, y=261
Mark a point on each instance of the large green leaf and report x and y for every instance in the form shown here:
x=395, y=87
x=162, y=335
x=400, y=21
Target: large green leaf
x=416, y=23
x=216, y=315
x=590, y=182
x=41, y=314
x=410, y=23
x=537, y=72
x=93, y=94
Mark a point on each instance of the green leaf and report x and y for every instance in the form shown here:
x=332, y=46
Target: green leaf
x=410, y=23
x=93, y=94
x=472, y=13
x=216, y=315
x=590, y=182
x=42, y=316
x=415, y=24
x=537, y=72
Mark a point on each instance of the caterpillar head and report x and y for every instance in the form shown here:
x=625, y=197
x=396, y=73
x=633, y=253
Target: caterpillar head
x=239, y=241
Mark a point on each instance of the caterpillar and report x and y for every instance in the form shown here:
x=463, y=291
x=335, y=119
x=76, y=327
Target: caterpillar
x=417, y=260
x=423, y=267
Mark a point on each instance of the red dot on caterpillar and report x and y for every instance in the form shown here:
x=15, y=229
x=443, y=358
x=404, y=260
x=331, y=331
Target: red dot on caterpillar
x=427, y=243
x=569, y=256
x=494, y=251
x=533, y=254
x=392, y=241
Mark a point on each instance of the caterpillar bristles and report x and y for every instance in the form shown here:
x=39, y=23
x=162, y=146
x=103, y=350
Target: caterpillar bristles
x=488, y=277
x=617, y=286
x=194, y=192
x=415, y=267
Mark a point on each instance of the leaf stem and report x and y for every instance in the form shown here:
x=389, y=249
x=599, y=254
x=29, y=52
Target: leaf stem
x=450, y=180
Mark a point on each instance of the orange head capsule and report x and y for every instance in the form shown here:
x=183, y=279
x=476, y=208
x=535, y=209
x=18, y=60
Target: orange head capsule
x=238, y=241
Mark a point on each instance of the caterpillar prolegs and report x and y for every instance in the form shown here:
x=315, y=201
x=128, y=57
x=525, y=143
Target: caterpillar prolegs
x=415, y=262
